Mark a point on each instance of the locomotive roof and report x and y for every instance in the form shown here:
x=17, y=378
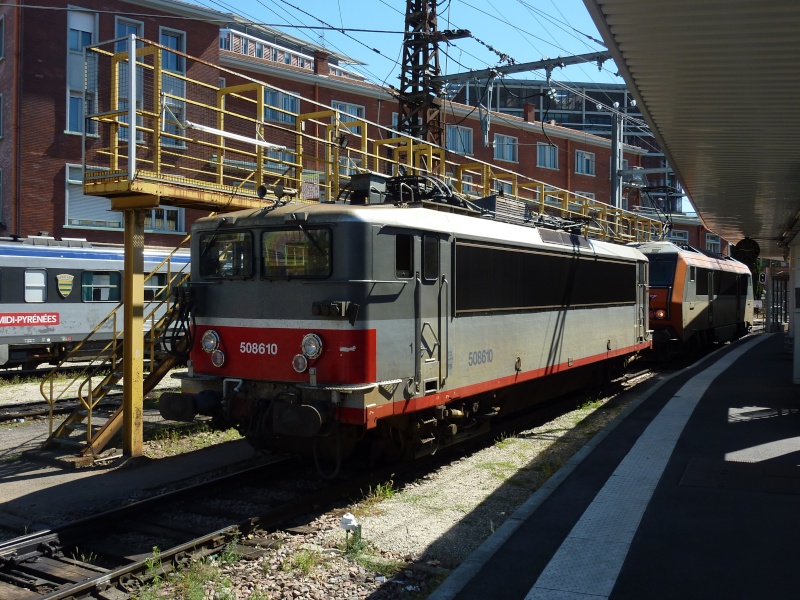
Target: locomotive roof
x=692, y=255
x=419, y=218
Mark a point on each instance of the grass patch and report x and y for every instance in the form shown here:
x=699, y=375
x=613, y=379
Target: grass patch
x=505, y=441
x=303, y=562
x=376, y=495
x=175, y=439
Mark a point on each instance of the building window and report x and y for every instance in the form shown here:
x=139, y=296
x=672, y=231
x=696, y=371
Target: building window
x=2, y=37
x=546, y=156
x=164, y=219
x=589, y=195
x=173, y=86
x=80, y=96
x=466, y=185
x=584, y=162
x=94, y=212
x=352, y=110
x=713, y=243
x=280, y=107
x=505, y=147
x=123, y=29
x=1, y=115
x=459, y=139
x=678, y=236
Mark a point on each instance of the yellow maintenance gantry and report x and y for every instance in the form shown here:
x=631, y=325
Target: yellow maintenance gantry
x=171, y=129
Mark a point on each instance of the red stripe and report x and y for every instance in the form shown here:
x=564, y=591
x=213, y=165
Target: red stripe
x=369, y=416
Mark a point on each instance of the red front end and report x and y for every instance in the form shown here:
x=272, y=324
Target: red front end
x=345, y=356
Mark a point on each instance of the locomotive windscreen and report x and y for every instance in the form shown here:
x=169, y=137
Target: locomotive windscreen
x=662, y=270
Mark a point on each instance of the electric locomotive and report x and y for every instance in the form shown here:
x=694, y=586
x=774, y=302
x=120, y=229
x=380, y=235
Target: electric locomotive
x=408, y=321
x=696, y=297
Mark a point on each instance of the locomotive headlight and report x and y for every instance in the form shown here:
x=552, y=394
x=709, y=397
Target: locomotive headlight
x=661, y=314
x=311, y=345
x=210, y=341
x=217, y=358
x=299, y=363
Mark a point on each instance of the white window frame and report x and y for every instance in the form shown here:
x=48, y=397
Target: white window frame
x=546, y=156
x=713, y=243
x=74, y=176
x=78, y=97
x=589, y=195
x=678, y=236
x=138, y=26
x=353, y=110
x=288, y=104
x=458, y=139
x=35, y=286
x=124, y=85
x=175, y=85
x=506, y=148
x=584, y=163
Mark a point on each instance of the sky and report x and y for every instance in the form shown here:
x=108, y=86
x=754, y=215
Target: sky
x=524, y=30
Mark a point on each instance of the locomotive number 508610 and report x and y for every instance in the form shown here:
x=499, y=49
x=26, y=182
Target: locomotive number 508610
x=256, y=348
x=480, y=357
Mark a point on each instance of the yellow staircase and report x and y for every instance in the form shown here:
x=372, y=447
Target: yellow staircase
x=87, y=431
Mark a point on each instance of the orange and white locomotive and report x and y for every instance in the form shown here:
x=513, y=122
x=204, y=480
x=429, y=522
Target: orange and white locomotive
x=696, y=297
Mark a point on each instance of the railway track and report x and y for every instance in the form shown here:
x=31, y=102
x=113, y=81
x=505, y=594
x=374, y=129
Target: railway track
x=110, y=555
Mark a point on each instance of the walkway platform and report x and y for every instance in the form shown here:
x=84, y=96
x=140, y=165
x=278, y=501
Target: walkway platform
x=693, y=493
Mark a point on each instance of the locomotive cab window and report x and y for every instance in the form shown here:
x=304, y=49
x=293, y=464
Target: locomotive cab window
x=662, y=271
x=100, y=286
x=226, y=255
x=404, y=256
x=35, y=285
x=296, y=253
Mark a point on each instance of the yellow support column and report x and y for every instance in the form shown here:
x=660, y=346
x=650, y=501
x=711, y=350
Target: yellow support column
x=133, y=341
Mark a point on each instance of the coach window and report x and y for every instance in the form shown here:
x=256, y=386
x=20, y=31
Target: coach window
x=100, y=286
x=35, y=285
x=404, y=256
x=430, y=259
x=155, y=287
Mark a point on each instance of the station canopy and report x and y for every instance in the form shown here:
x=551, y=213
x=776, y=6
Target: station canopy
x=717, y=82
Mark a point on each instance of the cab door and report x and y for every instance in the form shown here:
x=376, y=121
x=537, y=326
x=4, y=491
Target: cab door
x=432, y=307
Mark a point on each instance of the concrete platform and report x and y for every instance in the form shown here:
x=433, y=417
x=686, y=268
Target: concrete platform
x=36, y=496
x=695, y=493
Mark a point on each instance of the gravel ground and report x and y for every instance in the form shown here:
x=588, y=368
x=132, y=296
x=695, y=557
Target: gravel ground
x=411, y=537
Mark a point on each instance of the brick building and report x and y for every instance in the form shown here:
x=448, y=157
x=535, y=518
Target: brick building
x=43, y=101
